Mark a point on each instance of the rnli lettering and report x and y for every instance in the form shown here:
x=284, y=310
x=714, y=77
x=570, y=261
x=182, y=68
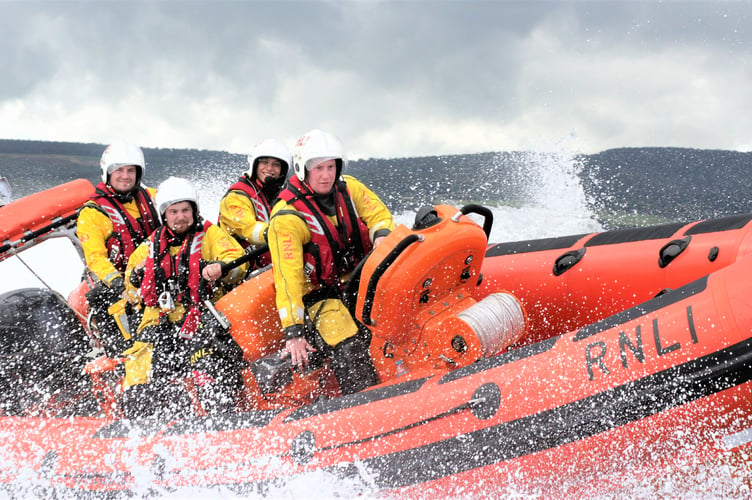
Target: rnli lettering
x=635, y=348
x=594, y=356
x=287, y=252
x=632, y=348
x=201, y=353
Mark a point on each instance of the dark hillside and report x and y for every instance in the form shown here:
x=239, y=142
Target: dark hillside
x=32, y=166
x=624, y=186
x=674, y=183
x=409, y=183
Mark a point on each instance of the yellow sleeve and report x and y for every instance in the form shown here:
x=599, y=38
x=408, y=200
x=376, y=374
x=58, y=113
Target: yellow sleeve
x=370, y=208
x=287, y=235
x=218, y=245
x=137, y=259
x=93, y=228
x=237, y=216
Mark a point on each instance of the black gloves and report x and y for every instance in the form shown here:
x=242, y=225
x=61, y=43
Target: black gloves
x=137, y=276
x=117, y=285
x=294, y=332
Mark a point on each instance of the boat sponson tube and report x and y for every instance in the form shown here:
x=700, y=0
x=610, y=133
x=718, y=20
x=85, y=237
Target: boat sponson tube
x=528, y=246
x=659, y=232
x=659, y=302
x=30, y=213
x=620, y=236
x=546, y=430
x=575, y=421
x=730, y=223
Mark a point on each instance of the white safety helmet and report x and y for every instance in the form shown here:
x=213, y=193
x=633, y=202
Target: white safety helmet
x=318, y=145
x=269, y=148
x=119, y=154
x=174, y=190
x=5, y=192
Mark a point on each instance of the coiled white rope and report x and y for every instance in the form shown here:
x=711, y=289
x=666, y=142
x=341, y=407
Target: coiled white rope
x=497, y=320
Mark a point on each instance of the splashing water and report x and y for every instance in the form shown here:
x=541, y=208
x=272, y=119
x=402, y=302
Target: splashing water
x=554, y=205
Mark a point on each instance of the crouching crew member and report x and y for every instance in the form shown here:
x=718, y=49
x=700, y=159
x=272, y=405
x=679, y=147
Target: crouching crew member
x=322, y=227
x=181, y=349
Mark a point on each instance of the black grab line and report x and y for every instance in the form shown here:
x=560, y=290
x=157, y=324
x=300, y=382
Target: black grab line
x=568, y=423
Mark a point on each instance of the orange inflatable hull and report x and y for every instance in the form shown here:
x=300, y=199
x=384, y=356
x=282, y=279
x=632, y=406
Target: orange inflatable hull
x=565, y=367
x=575, y=406
x=567, y=282
x=28, y=217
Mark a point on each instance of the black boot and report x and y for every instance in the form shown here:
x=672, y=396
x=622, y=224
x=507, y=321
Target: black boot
x=108, y=332
x=272, y=372
x=352, y=364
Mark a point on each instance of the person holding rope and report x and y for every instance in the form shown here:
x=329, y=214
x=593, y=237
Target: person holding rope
x=324, y=224
x=183, y=357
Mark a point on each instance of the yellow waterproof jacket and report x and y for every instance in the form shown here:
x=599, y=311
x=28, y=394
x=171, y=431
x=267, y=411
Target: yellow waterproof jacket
x=288, y=233
x=216, y=246
x=237, y=216
x=93, y=229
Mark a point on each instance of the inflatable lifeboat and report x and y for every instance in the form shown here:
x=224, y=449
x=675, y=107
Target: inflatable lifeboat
x=567, y=365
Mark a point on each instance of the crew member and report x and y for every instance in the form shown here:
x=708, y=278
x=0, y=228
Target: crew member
x=181, y=342
x=323, y=225
x=116, y=219
x=245, y=208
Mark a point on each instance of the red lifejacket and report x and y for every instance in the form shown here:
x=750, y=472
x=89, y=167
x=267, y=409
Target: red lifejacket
x=179, y=274
x=252, y=189
x=262, y=206
x=128, y=232
x=334, y=250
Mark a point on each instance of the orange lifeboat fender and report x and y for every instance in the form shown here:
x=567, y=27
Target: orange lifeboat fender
x=28, y=217
x=571, y=281
x=415, y=294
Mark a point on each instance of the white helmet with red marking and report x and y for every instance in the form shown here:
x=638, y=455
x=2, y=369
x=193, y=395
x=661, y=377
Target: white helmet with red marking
x=317, y=146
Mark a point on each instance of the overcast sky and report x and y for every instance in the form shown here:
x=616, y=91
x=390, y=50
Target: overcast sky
x=392, y=79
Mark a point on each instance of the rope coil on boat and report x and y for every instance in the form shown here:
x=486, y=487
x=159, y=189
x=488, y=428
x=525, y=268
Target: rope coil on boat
x=497, y=320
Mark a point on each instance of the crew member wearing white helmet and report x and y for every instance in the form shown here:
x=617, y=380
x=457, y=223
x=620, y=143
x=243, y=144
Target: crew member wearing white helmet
x=245, y=208
x=178, y=335
x=116, y=219
x=323, y=226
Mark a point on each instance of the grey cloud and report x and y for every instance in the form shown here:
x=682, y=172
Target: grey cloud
x=367, y=67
